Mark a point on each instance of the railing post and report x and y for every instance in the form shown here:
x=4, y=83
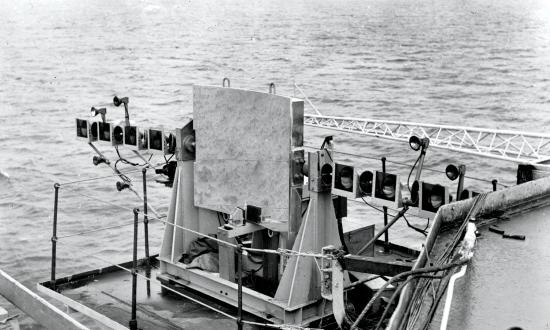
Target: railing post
x=385, y=208
x=146, y=230
x=239, y=251
x=133, y=320
x=494, y=182
x=54, y=234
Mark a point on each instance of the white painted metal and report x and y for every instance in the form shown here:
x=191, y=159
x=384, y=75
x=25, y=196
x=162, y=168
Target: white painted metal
x=35, y=306
x=515, y=146
x=466, y=252
x=85, y=310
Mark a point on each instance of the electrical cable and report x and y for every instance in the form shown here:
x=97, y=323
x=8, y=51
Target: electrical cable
x=396, y=293
x=410, y=173
x=422, y=231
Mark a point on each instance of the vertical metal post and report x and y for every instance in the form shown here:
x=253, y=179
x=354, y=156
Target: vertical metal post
x=385, y=208
x=54, y=234
x=494, y=182
x=146, y=230
x=133, y=320
x=239, y=251
x=461, y=175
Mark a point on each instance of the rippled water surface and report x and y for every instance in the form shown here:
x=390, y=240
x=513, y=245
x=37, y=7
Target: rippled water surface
x=468, y=62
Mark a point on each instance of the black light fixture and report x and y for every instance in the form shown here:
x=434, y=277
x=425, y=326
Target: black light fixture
x=343, y=183
x=169, y=170
x=387, y=187
x=453, y=172
x=120, y=186
x=143, y=139
x=326, y=177
x=100, y=111
x=366, y=179
x=156, y=140
x=327, y=142
x=253, y=213
x=118, y=135
x=170, y=143
x=131, y=136
x=117, y=101
x=99, y=160
x=343, y=177
x=93, y=131
x=466, y=194
x=433, y=197
x=417, y=143
x=104, y=131
x=82, y=128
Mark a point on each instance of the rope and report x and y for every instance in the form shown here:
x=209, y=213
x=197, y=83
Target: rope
x=398, y=277
x=414, y=308
x=96, y=178
x=106, y=176
x=99, y=229
x=307, y=99
x=278, y=251
x=103, y=201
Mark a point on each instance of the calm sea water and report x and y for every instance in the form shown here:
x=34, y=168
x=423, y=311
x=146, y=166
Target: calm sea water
x=468, y=62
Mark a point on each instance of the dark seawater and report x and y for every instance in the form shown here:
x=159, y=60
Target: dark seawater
x=466, y=62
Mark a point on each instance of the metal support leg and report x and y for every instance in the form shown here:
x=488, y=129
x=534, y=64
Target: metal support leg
x=146, y=229
x=240, y=288
x=385, y=208
x=54, y=234
x=133, y=320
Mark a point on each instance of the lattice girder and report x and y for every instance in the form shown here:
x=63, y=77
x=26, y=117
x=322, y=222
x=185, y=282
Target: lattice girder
x=520, y=147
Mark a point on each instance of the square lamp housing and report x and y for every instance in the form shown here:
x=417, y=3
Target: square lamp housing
x=344, y=181
x=82, y=129
x=143, y=139
x=431, y=198
x=87, y=129
x=156, y=141
x=104, y=132
x=131, y=137
x=387, y=189
x=161, y=142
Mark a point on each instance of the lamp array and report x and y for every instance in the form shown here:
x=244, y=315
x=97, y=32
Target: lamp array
x=153, y=140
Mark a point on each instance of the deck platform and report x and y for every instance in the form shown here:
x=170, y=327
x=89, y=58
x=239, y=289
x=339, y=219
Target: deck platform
x=107, y=291
x=105, y=296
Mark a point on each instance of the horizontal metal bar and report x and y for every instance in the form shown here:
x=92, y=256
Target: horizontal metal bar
x=374, y=265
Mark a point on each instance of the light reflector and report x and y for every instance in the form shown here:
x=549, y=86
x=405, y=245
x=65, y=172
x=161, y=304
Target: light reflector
x=104, y=131
x=131, y=136
x=82, y=128
x=387, y=189
x=343, y=181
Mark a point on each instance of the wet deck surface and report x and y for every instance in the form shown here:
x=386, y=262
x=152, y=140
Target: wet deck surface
x=507, y=283
x=110, y=294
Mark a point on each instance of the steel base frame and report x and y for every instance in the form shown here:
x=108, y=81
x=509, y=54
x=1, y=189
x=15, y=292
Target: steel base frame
x=254, y=302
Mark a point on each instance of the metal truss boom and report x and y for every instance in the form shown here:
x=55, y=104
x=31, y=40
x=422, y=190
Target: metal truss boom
x=515, y=146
